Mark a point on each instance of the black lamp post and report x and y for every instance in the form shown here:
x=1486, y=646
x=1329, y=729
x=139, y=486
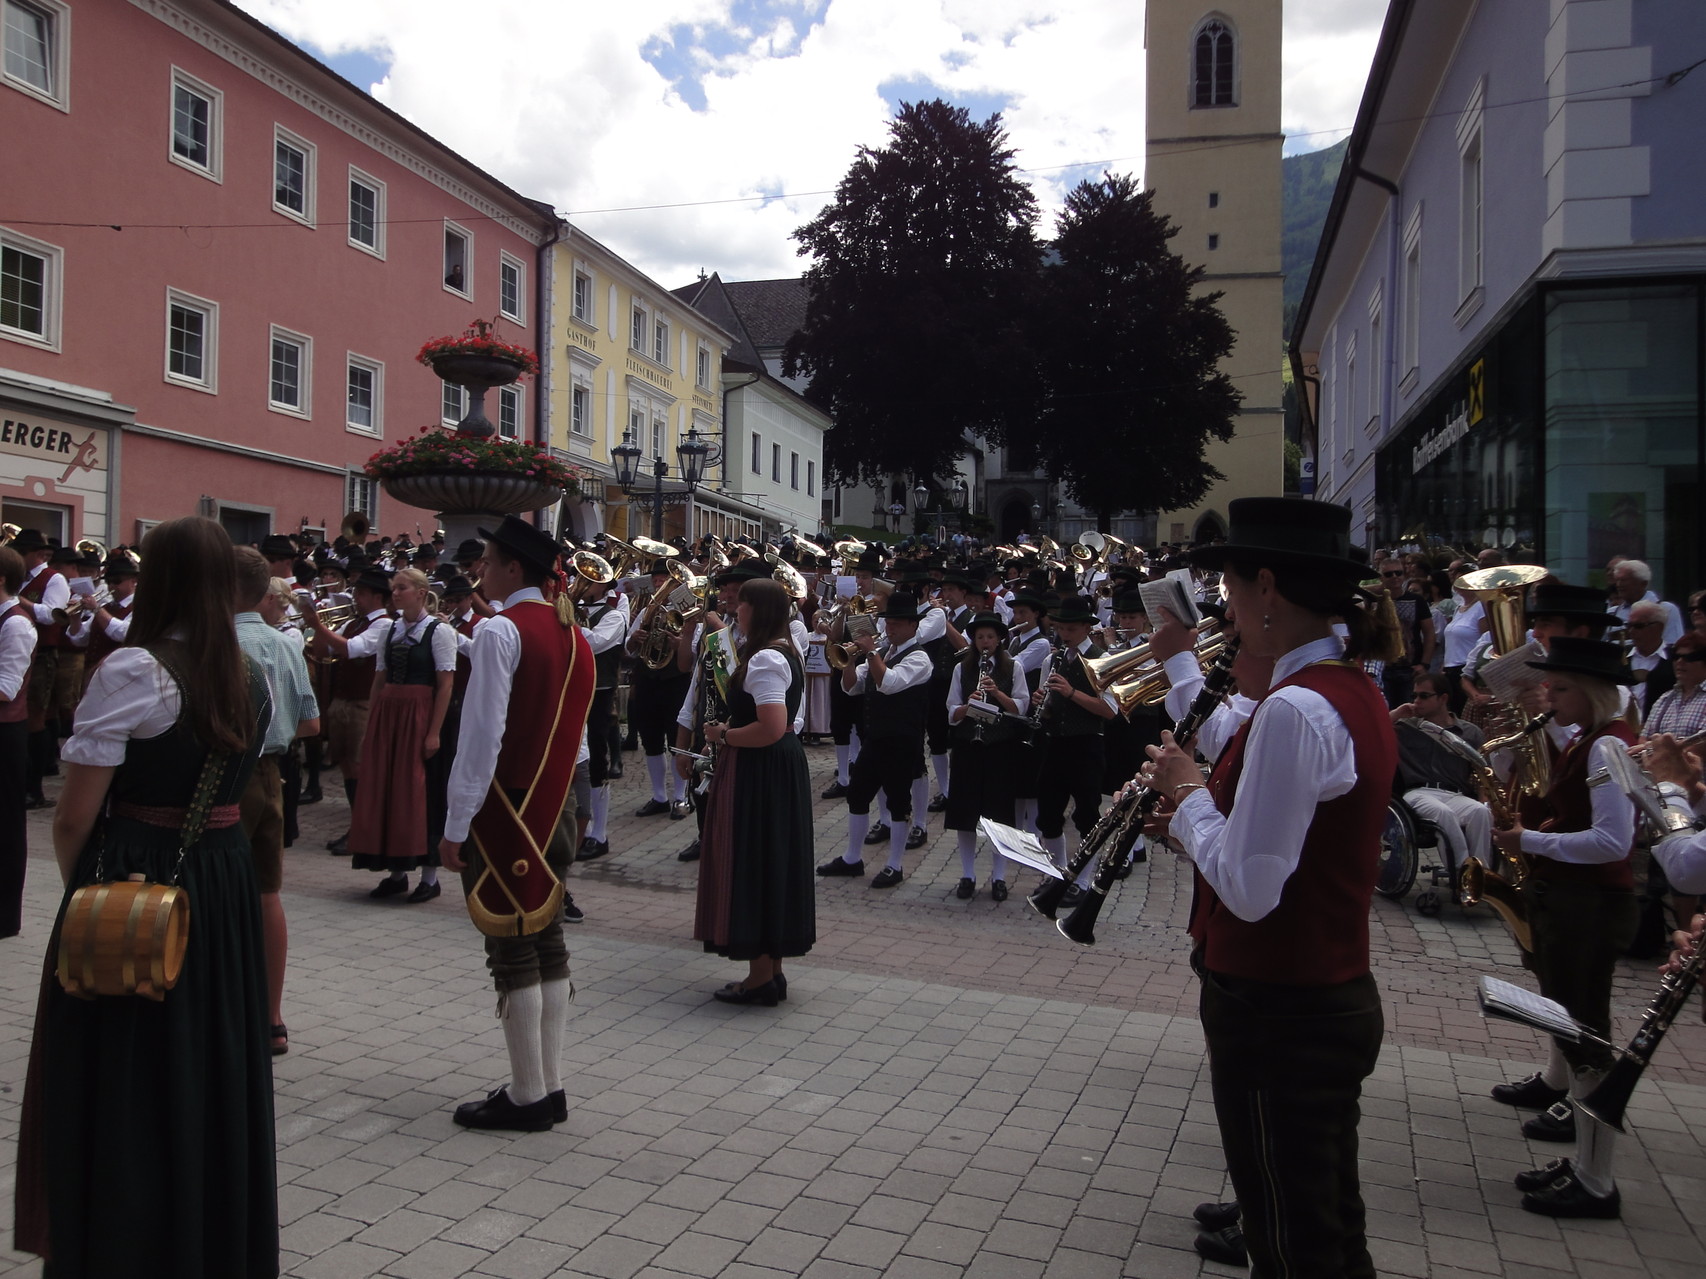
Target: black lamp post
x=693, y=454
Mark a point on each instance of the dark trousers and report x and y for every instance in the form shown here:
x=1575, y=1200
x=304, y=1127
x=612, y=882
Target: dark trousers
x=1071, y=771
x=936, y=727
x=888, y=764
x=1398, y=682
x=1579, y=931
x=290, y=776
x=653, y=705
x=518, y=962
x=599, y=720
x=14, y=850
x=1287, y=1065
x=1455, y=695
x=843, y=712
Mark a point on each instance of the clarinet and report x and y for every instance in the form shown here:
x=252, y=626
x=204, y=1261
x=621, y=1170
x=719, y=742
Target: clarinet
x=985, y=666
x=1609, y=1097
x=1041, y=698
x=1119, y=827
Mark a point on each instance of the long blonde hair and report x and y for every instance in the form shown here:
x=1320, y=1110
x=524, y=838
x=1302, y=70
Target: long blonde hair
x=421, y=582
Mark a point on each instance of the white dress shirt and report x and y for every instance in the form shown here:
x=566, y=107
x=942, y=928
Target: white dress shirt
x=1683, y=858
x=1673, y=615
x=1035, y=653
x=373, y=640
x=1613, y=829
x=609, y=631
x=1463, y=632
x=768, y=677
x=933, y=625
x=56, y=594
x=1298, y=755
x=907, y=667
x=1184, y=682
x=485, y=711
x=1019, y=691
x=17, y=646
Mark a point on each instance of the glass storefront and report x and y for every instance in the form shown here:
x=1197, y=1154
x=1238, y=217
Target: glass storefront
x=1572, y=434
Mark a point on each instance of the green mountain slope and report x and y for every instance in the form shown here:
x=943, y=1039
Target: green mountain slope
x=1306, y=189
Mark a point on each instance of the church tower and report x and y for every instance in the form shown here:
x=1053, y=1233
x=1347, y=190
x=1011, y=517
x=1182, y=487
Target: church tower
x=1213, y=162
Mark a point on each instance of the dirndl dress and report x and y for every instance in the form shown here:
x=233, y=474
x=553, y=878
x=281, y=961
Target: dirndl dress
x=389, y=829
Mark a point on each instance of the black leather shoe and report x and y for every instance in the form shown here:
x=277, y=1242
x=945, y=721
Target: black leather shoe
x=689, y=854
x=835, y=866
x=836, y=791
x=339, y=846
x=1533, y=1093
x=998, y=890
x=887, y=877
x=559, y=1106
x=591, y=848
x=878, y=834
x=781, y=986
x=312, y=795
x=1225, y=1245
x=1566, y=1198
x=967, y=889
x=651, y=808
x=937, y=805
x=390, y=888
x=499, y=1112
x=424, y=892
x=572, y=914
x=1540, y=1178
x=735, y=993
x=1213, y=1216
x=916, y=837
x=1555, y=1123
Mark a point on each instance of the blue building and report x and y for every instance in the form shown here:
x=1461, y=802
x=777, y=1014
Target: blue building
x=1501, y=334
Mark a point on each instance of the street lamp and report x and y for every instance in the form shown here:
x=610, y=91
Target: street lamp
x=693, y=454
x=920, y=498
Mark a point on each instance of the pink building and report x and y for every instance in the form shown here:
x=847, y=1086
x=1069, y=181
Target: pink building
x=217, y=261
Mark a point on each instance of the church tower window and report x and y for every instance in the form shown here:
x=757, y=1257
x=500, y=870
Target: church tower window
x=1212, y=66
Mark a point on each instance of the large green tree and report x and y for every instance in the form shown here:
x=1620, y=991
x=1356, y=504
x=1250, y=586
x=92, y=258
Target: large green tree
x=915, y=332
x=1129, y=356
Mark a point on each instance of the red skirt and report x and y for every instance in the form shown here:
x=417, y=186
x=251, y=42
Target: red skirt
x=388, y=830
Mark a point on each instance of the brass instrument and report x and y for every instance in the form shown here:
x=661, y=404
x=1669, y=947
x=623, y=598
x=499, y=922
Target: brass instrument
x=8, y=532
x=89, y=546
x=76, y=609
x=1136, y=679
x=1477, y=882
x=657, y=650
x=591, y=575
x=787, y=576
x=625, y=559
x=803, y=547
x=1500, y=591
x=839, y=650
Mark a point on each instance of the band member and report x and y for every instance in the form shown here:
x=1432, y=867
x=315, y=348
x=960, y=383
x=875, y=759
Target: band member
x=108, y=621
x=351, y=680
x=1438, y=783
x=17, y=643
x=895, y=684
x=656, y=700
x=522, y=721
x=944, y=650
x=1073, y=719
x=1582, y=914
x=44, y=590
x=605, y=631
x=986, y=745
x=1029, y=647
x=710, y=650
x=1286, y=842
x=1125, y=737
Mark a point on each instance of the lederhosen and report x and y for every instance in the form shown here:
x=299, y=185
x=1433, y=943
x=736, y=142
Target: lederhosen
x=1073, y=758
x=1028, y=762
x=600, y=719
x=1582, y=917
x=983, y=756
x=349, y=686
x=891, y=746
x=655, y=700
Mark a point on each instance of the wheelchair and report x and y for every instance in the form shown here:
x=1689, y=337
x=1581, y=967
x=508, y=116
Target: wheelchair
x=1403, y=840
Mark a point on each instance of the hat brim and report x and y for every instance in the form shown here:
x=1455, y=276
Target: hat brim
x=1215, y=557
x=533, y=555
x=1623, y=675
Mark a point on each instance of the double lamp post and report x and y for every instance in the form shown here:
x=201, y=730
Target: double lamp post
x=693, y=454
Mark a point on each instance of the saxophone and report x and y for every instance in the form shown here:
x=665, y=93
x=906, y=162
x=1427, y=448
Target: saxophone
x=1477, y=883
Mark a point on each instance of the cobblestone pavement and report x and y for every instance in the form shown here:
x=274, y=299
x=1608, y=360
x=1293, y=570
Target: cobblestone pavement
x=951, y=1089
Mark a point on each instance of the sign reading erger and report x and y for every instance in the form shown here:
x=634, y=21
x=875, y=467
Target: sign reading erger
x=74, y=448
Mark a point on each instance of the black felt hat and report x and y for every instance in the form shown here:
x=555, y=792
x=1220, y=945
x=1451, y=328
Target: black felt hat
x=870, y=562
x=1558, y=599
x=1075, y=608
x=455, y=585
x=531, y=545
x=1128, y=602
x=748, y=570
x=902, y=606
x=118, y=566
x=66, y=555
x=276, y=546
x=986, y=621
x=1290, y=532
x=375, y=578
x=1578, y=656
x=28, y=540
x=470, y=549
x=1036, y=601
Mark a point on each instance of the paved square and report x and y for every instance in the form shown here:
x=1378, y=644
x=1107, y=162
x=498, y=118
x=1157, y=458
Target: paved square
x=951, y=1089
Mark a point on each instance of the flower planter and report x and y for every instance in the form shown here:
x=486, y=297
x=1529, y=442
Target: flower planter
x=472, y=492
x=471, y=369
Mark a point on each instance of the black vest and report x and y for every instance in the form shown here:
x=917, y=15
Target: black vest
x=1065, y=717
x=607, y=666
x=1006, y=676
x=410, y=663
x=894, y=714
x=1034, y=676
x=942, y=658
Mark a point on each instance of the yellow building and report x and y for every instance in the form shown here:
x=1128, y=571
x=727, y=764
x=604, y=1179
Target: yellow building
x=1213, y=163
x=628, y=356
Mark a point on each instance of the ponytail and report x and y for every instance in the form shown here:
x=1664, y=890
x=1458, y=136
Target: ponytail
x=1373, y=631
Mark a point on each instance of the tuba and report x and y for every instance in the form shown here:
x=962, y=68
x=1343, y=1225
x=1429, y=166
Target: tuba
x=1500, y=591
x=658, y=649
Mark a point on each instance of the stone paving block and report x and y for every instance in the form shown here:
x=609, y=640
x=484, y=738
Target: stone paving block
x=614, y=1257
x=733, y=1220
x=1023, y=1239
x=346, y=1261
x=573, y=1226
x=697, y=1253
x=488, y=1229
x=939, y=1241
x=403, y=1230
x=437, y=1259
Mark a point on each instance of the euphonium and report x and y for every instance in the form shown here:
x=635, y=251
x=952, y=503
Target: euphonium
x=1500, y=591
x=658, y=649
x=1476, y=882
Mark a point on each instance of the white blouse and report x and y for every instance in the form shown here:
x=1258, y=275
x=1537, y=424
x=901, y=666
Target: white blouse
x=131, y=696
x=768, y=677
x=443, y=643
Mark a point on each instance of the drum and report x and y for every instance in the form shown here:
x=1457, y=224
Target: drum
x=124, y=938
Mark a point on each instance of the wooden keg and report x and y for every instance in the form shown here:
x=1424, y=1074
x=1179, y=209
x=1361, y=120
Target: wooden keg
x=124, y=938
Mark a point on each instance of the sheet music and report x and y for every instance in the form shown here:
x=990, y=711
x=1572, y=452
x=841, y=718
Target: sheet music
x=1514, y=1003
x=1176, y=592
x=1510, y=676
x=1018, y=845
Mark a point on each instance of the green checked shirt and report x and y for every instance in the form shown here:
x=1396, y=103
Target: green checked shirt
x=280, y=657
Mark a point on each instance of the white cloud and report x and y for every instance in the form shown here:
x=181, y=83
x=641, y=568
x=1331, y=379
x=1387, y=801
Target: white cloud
x=557, y=98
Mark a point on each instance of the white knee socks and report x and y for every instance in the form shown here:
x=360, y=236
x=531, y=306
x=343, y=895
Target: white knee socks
x=521, y=1018
x=939, y=766
x=1557, y=1071
x=1055, y=847
x=600, y=814
x=554, y=1015
x=1025, y=815
x=858, y=824
x=968, y=853
x=655, y=766
x=897, y=844
x=920, y=802
x=843, y=756
x=429, y=875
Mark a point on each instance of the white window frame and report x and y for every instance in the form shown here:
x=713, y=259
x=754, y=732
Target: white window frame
x=1410, y=300
x=352, y=361
x=519, y=315
x=58, y=91
x=359, y=178
x=362, y=494
x=660, y=434
x=1376, y=360
x=1471, y=203
x=660, y=342
x=811, y=477
x=450, y=393
x=511, y=392
x=580, y=409
x=304, y=372
x=282, y=136
x=467, y=289
x=52, y=291
x=702, y=368
x=639, y=328
x=209, y=381
x=589, y=313
x=214, y=169
x=757, y=454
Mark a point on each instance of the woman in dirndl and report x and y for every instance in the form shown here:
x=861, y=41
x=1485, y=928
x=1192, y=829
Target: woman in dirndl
x=756, y=886
x=983, y=759
x=411, y=693
x=146, y=1143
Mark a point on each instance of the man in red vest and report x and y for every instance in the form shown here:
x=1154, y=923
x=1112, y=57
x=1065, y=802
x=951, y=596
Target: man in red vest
x=522, y=719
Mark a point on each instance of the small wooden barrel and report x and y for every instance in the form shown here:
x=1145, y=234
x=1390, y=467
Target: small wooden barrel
x=124, y=938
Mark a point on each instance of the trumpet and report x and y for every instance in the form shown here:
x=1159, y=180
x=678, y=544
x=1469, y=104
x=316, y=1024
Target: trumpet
x=73, y=611
x=1136, y=679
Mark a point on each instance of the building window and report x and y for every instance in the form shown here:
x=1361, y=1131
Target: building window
x=192, y=341
x=776, y=463
x=811, y=478
x=702, y=371
x=793, y=470
x=583, y=298
x=367, y=213
x=361, y=494
x=1376, y=361
x=293, y=176
x=196, y=125
x=757, y=454
x=510, y=295
x=1471, y=176
x=660, y=343
x=365, y=396
x=453, y=404
x=288, y=386
x=835, y=508
x=509, y=412
x=1213, y=243
x=1214, y=199
x=637, y=330
x=658, y=429
x=29, y=290
x=1212, y=66
x=580, y=411
x=458, y=266
x=1411, y=326
x=37, y=39
x=1352, y=404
